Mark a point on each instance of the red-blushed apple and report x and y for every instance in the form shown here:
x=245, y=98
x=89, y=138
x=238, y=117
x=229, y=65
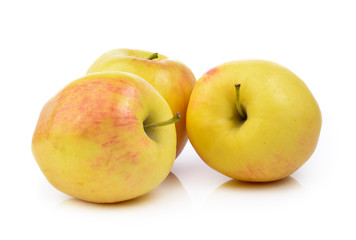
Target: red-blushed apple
x=253, y=120
x=106, y=137
x=172, y=79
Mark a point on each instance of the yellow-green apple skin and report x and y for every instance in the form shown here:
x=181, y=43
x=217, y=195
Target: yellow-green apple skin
x=90, y=140
x=280, y=132
x=172, y=79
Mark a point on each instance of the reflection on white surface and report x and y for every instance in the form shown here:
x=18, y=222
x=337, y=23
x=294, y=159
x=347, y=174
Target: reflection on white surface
x=169, y=194
x=247, y=194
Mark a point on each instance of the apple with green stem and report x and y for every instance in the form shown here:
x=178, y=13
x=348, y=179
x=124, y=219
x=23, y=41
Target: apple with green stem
x=172, y=79
x=253, y=120
x=106, y=137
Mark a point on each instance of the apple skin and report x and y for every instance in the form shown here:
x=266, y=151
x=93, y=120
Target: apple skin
x=172, y=79
x=282, y=126
x=90, y=142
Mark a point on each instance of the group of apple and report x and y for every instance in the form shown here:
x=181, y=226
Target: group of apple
x=115, y=133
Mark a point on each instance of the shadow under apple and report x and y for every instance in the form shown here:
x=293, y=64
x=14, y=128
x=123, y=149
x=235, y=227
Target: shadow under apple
x=287, y=183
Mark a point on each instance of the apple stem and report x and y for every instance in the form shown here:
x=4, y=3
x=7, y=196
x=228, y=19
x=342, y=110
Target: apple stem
x=174, y=119
x=153, y=56
x=238, y=105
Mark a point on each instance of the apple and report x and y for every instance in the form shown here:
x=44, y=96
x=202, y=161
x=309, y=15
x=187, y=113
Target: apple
x=253, y=120
x=172, y=79
x=105, y=138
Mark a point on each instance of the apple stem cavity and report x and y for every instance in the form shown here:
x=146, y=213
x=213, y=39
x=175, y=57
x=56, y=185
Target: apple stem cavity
x=174, y=119
x=153, y=56
x=238, y=105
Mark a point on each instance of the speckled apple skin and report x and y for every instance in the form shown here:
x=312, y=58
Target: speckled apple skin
x=171, y=78
x=90, y=142
x=281, y=130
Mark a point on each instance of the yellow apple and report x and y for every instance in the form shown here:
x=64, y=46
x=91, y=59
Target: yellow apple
x=104, y=138
x=253, y=120
x=173, y=80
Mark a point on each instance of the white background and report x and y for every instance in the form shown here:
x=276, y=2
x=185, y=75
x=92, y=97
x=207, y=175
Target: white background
x=47, y=44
